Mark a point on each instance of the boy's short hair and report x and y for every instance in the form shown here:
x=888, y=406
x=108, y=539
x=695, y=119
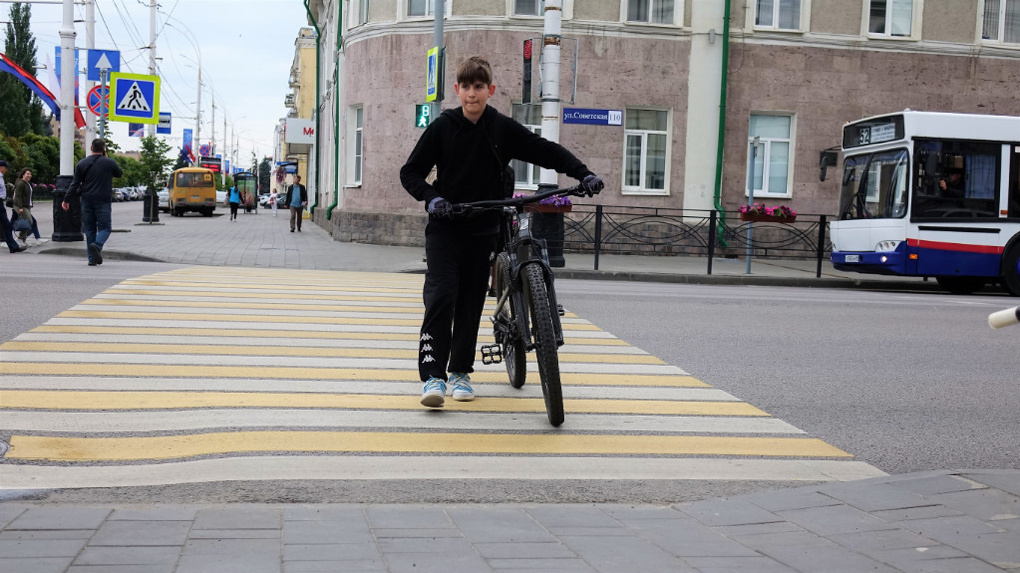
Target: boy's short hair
x=474, y=69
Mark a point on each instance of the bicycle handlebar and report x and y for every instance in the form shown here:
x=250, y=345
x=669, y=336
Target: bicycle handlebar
x=576, y=190
x=1004, y=318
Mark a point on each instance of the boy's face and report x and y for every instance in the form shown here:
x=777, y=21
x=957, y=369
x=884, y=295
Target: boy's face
x=473, y=97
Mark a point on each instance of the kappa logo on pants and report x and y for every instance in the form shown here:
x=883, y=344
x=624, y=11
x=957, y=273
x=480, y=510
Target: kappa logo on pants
x=427, y=358
x=426, y=348
x=426, y=336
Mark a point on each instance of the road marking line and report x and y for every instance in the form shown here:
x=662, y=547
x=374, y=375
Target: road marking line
x=158, y=400
x=171, y=370
x=193, y=445
x=225, y=350
x=459, y=468
x=208, y=419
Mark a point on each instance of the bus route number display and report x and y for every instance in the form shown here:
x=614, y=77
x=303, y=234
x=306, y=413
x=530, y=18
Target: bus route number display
x=870, y=133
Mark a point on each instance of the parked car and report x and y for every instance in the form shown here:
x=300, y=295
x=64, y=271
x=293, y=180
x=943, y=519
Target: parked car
x=264, y=201
x=221, y=197
x=164, y=200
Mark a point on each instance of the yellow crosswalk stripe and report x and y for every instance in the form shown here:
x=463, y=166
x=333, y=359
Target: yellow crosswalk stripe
x=250, y=333
x=102, y=400
x=174, y=447
x=299, y=373
x=206, y=317
x=225, y=350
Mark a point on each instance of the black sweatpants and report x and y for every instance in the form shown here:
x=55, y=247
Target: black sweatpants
x=456, y=283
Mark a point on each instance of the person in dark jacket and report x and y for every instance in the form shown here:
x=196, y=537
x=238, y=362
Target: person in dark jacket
x=470, y=146
x=6, y=228
x=93, y=184
x=297, y=200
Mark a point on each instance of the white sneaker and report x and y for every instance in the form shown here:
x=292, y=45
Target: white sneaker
x=433, y=393
x=462, y=390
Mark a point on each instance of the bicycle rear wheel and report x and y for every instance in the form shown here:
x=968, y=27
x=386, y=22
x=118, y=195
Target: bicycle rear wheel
x=545, y=342
x=515, y=354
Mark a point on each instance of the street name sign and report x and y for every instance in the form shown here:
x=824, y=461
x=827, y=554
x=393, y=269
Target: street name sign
x=593, y=116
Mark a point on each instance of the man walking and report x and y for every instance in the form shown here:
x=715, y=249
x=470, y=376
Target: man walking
x=297, y=199
x=93, y=183
x=5, y=224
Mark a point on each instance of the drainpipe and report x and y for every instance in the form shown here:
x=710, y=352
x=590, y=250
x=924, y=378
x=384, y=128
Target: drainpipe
x=720, y=230
x=336, y=116
x=318, y=35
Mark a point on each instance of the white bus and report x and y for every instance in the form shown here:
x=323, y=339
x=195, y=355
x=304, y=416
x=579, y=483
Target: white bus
x=931, y=195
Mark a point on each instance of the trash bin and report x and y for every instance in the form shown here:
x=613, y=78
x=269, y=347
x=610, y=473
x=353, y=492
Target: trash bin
x=150, y=207
x=66, y=224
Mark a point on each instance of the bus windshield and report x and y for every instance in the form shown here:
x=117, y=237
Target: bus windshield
x=184, y=179
x=875, y=186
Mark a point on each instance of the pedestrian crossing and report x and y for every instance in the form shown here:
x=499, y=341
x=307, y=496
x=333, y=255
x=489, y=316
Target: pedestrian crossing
x=212, y=373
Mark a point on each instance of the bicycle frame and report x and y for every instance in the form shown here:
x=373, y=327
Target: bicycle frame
x=525, y=249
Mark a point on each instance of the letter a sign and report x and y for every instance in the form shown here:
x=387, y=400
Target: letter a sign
x=134, y=98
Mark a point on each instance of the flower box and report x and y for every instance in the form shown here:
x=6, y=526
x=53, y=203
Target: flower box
x=759, y=218
x=540, y=208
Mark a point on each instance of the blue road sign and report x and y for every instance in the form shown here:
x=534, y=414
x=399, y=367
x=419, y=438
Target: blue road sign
x=134, y=98
x=164, y=123
x=102, y=59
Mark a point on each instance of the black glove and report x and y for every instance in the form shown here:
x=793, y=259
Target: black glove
x=440, y=208
x=592, y=184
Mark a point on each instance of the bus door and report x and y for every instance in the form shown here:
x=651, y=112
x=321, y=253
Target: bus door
x=956, y=207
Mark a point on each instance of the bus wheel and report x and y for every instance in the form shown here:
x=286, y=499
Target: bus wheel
x=206, y=212
x=961, y=285
x=1011, y=270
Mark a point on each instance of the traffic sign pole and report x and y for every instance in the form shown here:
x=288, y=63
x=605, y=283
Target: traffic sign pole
x=103, y=104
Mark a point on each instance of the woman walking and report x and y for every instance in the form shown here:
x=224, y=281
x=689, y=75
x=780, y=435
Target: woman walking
x=23, y=202
x=234, y=197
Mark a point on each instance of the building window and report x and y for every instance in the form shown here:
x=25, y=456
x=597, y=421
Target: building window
x=529, y=7
x=1001, y=21
x=646, y=134
x=652, y=11
x=777, y=14
x=891, y=17
x=356, y=141
x=768, y=168
x=526, y=175
x=419, y=7
x=362, y=11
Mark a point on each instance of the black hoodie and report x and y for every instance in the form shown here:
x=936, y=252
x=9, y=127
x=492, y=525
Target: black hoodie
x=465, y=154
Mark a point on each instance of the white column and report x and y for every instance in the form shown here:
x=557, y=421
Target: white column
x=152, y=51
x=551, y=35
x=703, y=92
x=67, y=76
x=90, y=44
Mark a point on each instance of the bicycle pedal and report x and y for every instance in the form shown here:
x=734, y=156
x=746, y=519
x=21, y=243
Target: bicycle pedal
x=492, y=354
x=560, y=311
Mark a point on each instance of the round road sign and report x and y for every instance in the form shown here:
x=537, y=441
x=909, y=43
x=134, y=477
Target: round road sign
x=99, y=96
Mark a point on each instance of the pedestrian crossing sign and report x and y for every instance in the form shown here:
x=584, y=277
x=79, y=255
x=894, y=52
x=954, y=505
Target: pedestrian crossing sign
x=134, y=98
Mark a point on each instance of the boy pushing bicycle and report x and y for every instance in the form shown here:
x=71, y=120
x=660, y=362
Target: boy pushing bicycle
x=470, y=146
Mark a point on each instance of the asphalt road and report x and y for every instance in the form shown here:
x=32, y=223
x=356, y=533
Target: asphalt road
x=904, y=381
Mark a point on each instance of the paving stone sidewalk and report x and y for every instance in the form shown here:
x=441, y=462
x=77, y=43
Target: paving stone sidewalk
x=939, y=522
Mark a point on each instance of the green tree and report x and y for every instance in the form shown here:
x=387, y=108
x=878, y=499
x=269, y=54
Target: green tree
x=20, y=109
x=265, y=175
x=134, y=172
x=155, y=162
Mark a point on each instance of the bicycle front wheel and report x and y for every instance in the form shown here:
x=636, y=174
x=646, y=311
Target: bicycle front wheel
x=515, y=354
x=545, y=342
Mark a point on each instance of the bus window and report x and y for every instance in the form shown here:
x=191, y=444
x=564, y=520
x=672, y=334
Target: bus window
x=875, y=186
x=1014, y=182
x=202, y=179
x=956, y=179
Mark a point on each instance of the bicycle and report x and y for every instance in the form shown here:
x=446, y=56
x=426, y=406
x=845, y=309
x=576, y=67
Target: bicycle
x=527, y=316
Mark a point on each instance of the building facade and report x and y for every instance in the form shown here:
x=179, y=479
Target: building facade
x=795, y=72
x=301, y=105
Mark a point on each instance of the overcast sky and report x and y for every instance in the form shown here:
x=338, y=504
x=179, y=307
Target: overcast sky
x=247, y=47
